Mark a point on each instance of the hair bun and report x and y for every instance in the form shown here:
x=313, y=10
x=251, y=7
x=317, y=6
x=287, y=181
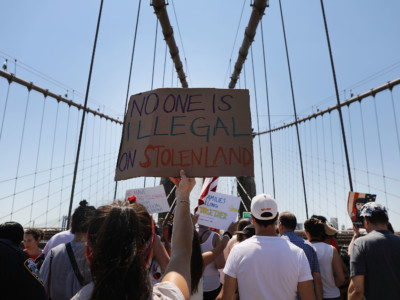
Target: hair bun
x=83, y=203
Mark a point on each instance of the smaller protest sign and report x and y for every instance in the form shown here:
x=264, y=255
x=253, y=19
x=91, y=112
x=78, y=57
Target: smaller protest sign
x=247, y=215
x=152, y=198
x=354, y=204
x=218, y=210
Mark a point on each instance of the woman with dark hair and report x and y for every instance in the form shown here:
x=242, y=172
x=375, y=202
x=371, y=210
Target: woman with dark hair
x=120, y=242
x=32, y=237
x=332, y=273
x=65, y=269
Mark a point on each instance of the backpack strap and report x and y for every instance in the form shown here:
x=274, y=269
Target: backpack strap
x=49, y=276
x=74, y=264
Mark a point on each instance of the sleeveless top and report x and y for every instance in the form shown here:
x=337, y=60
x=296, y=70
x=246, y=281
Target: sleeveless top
x=211, y=273
x=325, y=256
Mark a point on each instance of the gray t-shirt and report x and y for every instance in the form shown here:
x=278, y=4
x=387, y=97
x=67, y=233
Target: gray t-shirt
x=377, y=257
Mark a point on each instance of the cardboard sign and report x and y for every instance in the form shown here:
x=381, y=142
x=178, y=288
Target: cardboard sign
x=207, y=132
x=153, y=198
x=354, y=204
x=218, y=210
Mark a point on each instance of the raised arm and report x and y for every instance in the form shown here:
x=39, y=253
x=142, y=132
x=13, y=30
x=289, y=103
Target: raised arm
x=210, y=256
x=178, y=270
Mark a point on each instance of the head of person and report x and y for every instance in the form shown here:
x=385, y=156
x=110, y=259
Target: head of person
x=374, y=215
x=358, y=204
x=287, y=222
x=120, y=238
x=264, y=211
x=241, y=225
x=314, y=229
x=196, y=263
x=81, y=216
x=12, y=231
x=246, y=232
x=32, y=237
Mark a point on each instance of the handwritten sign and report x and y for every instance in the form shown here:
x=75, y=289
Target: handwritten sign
x=218, y=210
x=207, y=132
x=153, y=198
x=354, y=204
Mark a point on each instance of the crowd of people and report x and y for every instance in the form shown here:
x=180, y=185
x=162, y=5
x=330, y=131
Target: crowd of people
x=117, y=252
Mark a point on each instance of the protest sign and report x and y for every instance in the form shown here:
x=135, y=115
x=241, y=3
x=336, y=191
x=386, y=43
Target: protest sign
x=218, y=210
x=205, y=131
x=354, y=204
x=153, y=198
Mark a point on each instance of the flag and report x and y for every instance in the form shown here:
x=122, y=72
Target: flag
x=209, y=185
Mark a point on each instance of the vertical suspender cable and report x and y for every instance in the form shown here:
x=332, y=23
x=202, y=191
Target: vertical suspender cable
x=395, y=119
x=258, y=123
x=63, y=168
x=165, y=63
x=312, y=171
x=380, y=151
x=83, y=118
x=152, y=74
x=51, y=162
x=326, y=176
x=20, y=151
x=339, y=108
x=352, y=148
x=365, y=147
x=5, y=109
x=294, y=109
x=269, y=115
x=129, y=78
x=37, y=161
x=333, y=162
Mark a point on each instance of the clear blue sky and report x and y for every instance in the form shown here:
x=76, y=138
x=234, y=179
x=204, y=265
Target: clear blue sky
x=56, y=38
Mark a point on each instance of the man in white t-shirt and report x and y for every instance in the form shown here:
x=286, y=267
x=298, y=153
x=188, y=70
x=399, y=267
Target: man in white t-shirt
x=267, y=266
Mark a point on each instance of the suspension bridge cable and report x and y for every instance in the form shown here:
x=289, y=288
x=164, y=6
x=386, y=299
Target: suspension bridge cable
x=234, y=43
x=333, y=157
x=294, y=108
x=37, y=157
x=352, y=146
x=152, y=77
x=64, y=159
x=52, y=158
x=91, y=156
x=165, y=63
x=312, y=173
x=324, y=151
x=83, y=117
x=20, y=151
x=5, y=109
x=130, y=75
x=269, y=115
x=337, y=97
x=258, y=123
x=365, y=147
x=395, y=119
x=380, y=151
x=180, y=37
x=98, y=163
x=154, y=63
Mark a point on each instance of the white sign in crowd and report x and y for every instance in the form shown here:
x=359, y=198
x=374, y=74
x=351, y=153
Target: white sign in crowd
x=152, y=198
x=218, y=210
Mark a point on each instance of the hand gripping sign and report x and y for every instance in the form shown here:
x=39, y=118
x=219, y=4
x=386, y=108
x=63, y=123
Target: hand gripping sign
x=205, y=131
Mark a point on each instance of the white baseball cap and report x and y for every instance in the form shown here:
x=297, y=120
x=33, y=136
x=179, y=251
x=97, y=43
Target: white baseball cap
x=264, y=207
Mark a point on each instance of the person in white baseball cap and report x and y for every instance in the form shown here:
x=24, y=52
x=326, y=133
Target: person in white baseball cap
x=267, y=266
